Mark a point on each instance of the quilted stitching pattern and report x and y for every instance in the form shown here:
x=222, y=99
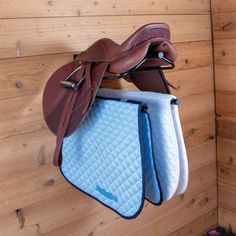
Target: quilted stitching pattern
x=165, y=145
x=152, y=186
x=183, y=178
x=103, y=157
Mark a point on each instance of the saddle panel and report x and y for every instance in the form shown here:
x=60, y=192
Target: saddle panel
x=106, y=157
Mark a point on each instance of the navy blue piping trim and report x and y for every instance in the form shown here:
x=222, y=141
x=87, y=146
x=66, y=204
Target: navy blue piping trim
x=121, y=100
x=154, y=164
x=142, y=165
x=125, y=217
x=155, y=170
x=105, y=98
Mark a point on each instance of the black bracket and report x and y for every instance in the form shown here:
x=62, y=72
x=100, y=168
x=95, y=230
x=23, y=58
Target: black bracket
x=153, y=55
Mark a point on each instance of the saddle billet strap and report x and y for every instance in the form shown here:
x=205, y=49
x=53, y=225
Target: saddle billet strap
x=87, y=76
x=65, y=118
x=67, y=112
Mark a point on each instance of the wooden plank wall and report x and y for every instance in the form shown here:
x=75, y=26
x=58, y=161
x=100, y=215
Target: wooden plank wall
x=224, y=25
x=36, y=37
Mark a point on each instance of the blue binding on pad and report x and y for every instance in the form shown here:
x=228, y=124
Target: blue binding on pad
x=110, y=158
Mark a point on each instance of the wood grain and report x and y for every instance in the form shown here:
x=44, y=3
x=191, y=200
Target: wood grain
x=188, y=81
x=22, y=189
x=21, y=115
x=196, y=106
x=35, y=148
x=24, y=114
x=158, y=226
x=223, y=6
x=44, y=35
x=227, y=186
x=225, y=51
x=153, y=219
x=225, y=78
x=105, y=7
x=29, y=150
x=224, y=23
x=226, y=196
x=227, y=218
x=226, y=127
x=225, y=101
x=26, y=76
x=226, y=151
x=36, y=36
x=207, y=222
x=201, y=155
x=225, y=90
x=26, y=151
x=200, y=131
x=48, y=215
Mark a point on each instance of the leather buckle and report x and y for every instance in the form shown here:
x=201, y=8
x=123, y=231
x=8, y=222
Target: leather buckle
x=72, y=84
x=69, y=85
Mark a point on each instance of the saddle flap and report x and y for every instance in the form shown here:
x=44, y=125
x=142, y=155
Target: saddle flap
x=55, y=95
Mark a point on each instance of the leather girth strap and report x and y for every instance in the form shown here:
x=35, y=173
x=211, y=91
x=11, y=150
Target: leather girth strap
x=64, y=121
x=66, y=115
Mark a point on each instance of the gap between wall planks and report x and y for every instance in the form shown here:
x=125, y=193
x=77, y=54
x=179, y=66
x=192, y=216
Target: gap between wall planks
x=59, y=8
x=48, y=213
x=208, y=221
x=28, y=75
x=46, y=201
x=59, y=35
x=193, y=78
x=224, y=21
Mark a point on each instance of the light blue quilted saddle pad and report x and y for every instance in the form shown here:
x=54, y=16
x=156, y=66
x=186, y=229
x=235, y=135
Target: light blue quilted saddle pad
x=168, y=145
x=110, y=157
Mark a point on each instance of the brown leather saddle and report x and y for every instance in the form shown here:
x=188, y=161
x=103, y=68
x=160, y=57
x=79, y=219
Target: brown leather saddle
x=71, y=89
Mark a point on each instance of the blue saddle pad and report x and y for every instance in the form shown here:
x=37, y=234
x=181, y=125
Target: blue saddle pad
x=167, y=139
x=110, y=158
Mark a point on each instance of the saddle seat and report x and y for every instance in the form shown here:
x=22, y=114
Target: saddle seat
x=70, y=91
x=133, y=50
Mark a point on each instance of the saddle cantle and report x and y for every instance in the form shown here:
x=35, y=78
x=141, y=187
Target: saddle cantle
x=70, y=91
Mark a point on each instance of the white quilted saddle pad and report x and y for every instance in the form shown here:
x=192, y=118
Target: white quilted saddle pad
x=183, y=160
x=168, y=144
x=109, y=157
